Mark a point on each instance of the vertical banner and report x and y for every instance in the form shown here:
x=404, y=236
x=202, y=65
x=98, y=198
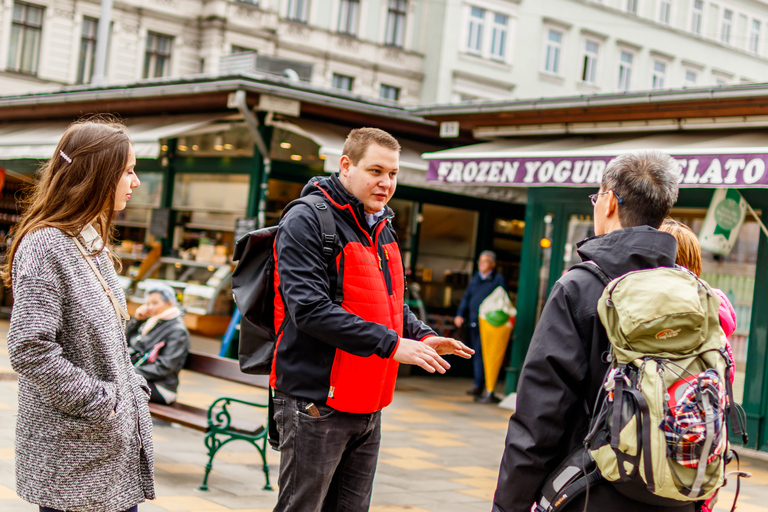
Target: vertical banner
x=723, y=221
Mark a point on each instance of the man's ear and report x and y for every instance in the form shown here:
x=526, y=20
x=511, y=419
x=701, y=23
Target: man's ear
x=344, y=163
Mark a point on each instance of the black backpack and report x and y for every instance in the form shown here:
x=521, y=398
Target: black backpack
x=253, y=286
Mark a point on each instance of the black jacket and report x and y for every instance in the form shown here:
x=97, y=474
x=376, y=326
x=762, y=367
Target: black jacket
x=165, y=370
x=319, y=330
x=563, y=372
x=477, y=291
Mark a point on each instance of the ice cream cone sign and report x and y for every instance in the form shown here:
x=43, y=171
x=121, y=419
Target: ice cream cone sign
x=497, y=318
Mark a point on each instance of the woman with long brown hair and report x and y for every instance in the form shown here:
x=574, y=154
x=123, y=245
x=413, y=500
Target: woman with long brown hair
x=83, y=434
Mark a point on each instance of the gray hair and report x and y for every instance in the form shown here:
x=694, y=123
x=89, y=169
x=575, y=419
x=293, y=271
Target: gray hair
x=647, y=183
x=490, y=254
x=165, y=291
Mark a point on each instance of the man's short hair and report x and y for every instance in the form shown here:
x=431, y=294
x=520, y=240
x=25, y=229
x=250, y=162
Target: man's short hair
x=647, y=183
x=359, y=139
x=490, y=254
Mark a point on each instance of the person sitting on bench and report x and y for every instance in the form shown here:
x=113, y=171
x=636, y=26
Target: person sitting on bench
x=158, y=342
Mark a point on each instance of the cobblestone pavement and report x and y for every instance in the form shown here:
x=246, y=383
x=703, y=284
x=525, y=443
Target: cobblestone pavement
x=440, y=453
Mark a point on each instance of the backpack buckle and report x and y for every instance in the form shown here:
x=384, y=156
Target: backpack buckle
x=321, y=206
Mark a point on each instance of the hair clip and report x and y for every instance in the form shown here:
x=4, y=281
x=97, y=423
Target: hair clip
x=65, y=156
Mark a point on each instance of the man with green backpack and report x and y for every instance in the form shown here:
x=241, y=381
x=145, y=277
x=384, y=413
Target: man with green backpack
x=625, y=327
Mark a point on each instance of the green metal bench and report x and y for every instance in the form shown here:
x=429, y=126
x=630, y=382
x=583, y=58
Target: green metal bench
x=217, y=422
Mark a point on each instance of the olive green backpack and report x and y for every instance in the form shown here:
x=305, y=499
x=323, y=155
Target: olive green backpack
x=668, y=442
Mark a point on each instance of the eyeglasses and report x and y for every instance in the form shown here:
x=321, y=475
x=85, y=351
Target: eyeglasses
x=593, y=197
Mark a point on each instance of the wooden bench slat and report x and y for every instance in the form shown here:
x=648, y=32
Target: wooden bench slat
x=174, y=414
x=223, y=368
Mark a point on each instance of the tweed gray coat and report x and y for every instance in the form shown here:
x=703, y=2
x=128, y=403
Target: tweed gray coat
x=68, y=347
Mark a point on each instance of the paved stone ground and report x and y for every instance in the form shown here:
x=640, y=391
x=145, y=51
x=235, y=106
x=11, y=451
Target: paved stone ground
x=440, y=453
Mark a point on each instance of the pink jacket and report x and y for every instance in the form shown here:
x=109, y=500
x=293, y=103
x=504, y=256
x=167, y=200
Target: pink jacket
x=727, y=322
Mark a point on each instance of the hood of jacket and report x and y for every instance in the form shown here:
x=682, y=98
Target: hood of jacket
x=334, y=190
x=628, y=249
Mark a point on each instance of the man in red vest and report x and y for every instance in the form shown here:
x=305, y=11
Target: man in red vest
x=336, y=361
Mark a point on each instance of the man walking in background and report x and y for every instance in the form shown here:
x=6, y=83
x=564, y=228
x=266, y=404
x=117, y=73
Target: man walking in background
x=482, y=284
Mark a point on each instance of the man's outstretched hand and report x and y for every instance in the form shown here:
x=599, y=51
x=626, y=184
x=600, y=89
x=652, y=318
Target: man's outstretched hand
x=426, y=354
x=420, y=354
x=444, y=346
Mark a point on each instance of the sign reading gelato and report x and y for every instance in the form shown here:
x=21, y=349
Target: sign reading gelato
x=713, y=171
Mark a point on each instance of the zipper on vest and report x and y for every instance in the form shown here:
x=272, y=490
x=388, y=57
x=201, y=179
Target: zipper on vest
x=387, y=285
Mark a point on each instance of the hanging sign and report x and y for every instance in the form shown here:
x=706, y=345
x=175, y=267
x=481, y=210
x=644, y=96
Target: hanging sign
x=723, y=221
x=713, y=171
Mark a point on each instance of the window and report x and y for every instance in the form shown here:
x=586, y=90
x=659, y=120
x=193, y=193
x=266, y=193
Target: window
x=554, y=47
x=26, y=29
x=696, y=16
x=754, y=37
x=395, y=23
x=725, y=28
x=625, y=70
x=659, y=74
x=499, y=36
x=297, y=10
x=157, y=60
x=348, y=14
x=665, y=11
x=389, y=92
x=87, y=50
x=343, y=82
x=632, y=6
x=476, y=19
x=691, y=78
x=589, y=68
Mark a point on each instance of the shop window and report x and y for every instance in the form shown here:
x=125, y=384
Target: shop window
x=157, y=57
x=554, y=46
x=735, y=275
x=395, y=33
x=279, y=194
x=446, y=255
x=209, y=194
x=87, y=50
x=349, y=11
x=26, y=32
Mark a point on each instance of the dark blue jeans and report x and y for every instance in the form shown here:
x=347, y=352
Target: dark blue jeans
x=477, y=357
x=46, y=509
x=327, y=463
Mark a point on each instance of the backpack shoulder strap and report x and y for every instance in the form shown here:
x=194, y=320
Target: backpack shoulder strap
x=593, y=267
x=328, y=237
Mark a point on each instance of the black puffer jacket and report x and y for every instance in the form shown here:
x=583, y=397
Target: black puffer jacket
x=170, y=360
x=563, y=372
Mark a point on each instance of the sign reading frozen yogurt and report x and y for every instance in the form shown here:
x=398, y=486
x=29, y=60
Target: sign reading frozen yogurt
x=714, y=171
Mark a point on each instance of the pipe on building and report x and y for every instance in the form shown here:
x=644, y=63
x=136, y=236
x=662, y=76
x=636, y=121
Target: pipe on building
x=238, y=101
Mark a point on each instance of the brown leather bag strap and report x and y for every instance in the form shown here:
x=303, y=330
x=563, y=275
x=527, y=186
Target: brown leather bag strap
x=121, y=312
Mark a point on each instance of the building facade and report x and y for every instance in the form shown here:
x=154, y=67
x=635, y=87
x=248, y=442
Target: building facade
x=399, y=50
x=365, y=47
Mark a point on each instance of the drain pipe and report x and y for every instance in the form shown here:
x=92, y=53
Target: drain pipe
x=237, y=100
